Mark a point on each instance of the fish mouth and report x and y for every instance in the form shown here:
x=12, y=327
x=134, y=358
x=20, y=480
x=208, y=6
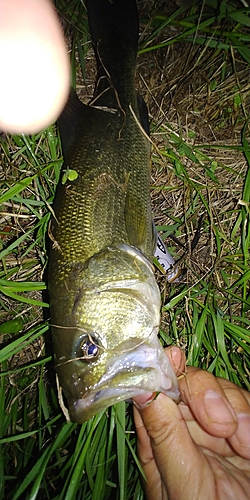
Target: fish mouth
x=143, y=370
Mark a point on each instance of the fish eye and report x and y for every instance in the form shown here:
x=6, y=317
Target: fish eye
x=88, y=349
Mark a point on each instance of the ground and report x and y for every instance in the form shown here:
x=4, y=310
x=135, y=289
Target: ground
x=193, y=72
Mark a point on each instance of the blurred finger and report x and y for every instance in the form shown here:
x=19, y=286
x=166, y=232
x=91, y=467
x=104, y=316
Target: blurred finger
x=35, y=74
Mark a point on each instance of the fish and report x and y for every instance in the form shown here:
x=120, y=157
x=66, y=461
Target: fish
x=104, y=300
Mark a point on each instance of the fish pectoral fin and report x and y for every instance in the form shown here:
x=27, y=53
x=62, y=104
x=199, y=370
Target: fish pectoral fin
x=136, y=222
x=70, y=120
x=154, y=237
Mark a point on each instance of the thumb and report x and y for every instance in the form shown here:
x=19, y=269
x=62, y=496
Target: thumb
x=180, y=463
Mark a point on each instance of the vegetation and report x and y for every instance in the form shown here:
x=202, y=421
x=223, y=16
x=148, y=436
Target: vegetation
x=193, y=68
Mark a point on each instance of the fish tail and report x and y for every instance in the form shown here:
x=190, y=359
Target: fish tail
x=114, y=30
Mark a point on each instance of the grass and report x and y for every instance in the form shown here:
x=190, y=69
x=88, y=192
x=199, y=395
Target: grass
x=192, y=70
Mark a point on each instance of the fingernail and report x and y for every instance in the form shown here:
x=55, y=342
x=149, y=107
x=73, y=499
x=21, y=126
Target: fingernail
x=178, y=359
x=143, y=400
x=217, y=409
x=243, y=431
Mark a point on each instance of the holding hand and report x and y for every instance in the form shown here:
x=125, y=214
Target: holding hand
x=199, y=449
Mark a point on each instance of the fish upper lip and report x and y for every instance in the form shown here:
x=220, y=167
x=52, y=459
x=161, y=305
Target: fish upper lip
x=143, y=358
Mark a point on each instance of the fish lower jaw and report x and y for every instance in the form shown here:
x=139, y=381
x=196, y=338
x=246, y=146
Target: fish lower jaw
x=115, y=391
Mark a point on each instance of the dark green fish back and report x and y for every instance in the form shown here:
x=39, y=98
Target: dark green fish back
x=109, y=201
x=114, y=34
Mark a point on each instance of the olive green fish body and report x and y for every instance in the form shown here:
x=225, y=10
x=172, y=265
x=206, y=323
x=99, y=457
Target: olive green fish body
x=105, y=304
x=109, y=200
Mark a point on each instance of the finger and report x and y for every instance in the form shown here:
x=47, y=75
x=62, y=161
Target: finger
x=232, y=477
x=176, y=456
x=240, y=441
x=177, y=358
x=205, y=397
x=202, y=438
x=152, y=483
x=240, y=401
x=35, y=74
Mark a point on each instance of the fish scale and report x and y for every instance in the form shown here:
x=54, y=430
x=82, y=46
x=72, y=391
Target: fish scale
x=104, y=300
x=95, y=216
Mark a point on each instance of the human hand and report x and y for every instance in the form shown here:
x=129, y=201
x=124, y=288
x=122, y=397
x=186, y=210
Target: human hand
x=35, y=71
x=199, y=449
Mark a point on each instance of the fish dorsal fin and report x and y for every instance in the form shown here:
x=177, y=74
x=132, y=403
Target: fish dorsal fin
x=70, y=120
x=136, y=213
x=143, y=114
x=136, y=222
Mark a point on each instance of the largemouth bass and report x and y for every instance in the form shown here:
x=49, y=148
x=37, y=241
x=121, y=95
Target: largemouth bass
x=105, y=303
